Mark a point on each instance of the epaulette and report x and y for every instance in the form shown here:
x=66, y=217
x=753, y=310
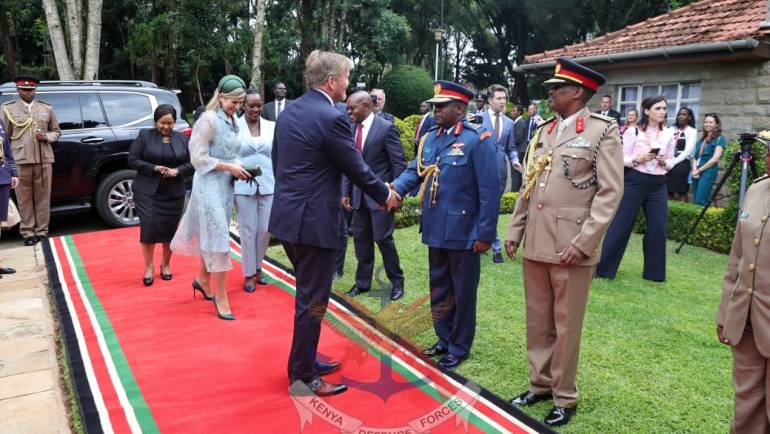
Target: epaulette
x=602, y=117
x=9, y=102
x=434, y=127
x=761, y=178
x=546, y=122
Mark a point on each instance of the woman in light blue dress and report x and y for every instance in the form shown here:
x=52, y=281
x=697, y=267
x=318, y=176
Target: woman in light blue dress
x=205, y=227
x=254, y=198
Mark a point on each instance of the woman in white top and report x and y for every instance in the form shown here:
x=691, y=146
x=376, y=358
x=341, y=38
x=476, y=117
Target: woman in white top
x=254, y=198
x=678, y=167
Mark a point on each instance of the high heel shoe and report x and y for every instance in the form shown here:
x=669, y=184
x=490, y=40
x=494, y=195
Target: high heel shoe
x=260, y=279
x=197, y=287
x=147, y=281
x=226, y=316
x=163, y=275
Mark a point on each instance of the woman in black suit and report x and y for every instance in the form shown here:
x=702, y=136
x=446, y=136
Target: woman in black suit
x=9, y=178
x=162, y=161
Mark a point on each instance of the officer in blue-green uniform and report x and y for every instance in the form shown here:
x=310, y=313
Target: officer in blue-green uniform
x=456, y=171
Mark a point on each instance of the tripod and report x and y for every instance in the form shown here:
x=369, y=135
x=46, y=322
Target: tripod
x=747, y=159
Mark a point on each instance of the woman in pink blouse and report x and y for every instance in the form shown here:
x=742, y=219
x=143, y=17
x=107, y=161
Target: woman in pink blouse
x=645, y=153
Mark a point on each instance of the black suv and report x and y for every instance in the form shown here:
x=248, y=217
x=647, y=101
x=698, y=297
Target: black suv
x=98, y=120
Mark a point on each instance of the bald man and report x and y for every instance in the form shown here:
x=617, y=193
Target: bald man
x=380, y=144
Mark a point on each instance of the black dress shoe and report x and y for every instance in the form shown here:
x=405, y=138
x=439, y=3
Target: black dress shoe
x=260, y=278
x=30, y=241
x=560, y=415
x=7, y=270
x=450, y=362
x=354, y=291
x=497, y=258
x=322, y=368
x=528, y=398
x=434, y=350
x=147, y=281
x=396, y=293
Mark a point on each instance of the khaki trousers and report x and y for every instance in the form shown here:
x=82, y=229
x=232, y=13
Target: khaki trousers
x=556, y=298
x=751, y=384
x=34, y=182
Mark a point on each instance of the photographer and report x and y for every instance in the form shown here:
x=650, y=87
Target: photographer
x=645, y=155
x=743, y=318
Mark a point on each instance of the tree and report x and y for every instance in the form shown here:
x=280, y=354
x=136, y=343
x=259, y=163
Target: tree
x=257, y=49
x=69, y=61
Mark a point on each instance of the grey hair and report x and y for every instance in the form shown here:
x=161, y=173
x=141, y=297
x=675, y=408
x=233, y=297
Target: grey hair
x=320, y=65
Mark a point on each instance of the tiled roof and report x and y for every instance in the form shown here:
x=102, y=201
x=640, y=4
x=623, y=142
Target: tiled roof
x=706, y=21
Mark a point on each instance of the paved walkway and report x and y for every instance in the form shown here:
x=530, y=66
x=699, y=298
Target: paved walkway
x=31, y=399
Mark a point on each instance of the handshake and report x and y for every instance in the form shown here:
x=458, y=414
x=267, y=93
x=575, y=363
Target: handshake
x=392, y=205
x=394, y=200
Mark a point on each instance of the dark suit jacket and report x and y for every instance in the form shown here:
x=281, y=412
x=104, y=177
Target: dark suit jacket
x=268, y=111
x=520, y=137
x=312, y=148
x=384, y=154
x=145, y=154
x=613, y=114
x=387, y=116
x=8, y=168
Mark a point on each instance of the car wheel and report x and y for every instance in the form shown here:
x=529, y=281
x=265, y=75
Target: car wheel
x=115, y=199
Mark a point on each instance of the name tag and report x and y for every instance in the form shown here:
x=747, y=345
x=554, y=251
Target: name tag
x=579, y=143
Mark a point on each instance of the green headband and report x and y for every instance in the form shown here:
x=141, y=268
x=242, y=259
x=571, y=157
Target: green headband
x=229, y=83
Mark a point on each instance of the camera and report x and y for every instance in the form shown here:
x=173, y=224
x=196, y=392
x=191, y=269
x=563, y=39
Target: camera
x=747, y=140
x=476, y=119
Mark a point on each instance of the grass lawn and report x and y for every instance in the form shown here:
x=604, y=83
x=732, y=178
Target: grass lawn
x=650, y=361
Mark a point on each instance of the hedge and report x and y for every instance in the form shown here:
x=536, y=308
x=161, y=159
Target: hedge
x=715, y=231
x=406, y=87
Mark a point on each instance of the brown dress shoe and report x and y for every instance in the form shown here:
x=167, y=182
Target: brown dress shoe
x=322, y=388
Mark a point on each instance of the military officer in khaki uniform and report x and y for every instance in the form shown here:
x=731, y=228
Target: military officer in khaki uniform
x=573, y=185
x=743, y=319
x=32, y=129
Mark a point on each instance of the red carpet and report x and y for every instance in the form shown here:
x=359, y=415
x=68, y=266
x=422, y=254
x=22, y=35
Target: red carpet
x=152, y=359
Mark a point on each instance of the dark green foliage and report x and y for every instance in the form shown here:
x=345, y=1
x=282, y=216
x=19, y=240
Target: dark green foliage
x=406, y=87
x=407, y=129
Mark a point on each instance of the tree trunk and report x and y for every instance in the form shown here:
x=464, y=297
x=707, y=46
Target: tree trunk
x=308, y=29
x=75, y=30
x=258, y=49
x=172, y=69
x=91, y=67
x=5, y=33
x=63, y=66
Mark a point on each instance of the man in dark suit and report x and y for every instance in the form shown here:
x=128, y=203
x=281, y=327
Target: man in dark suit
x=378, y=98
x=519, y=142
x=607, y=110
x=274, y=108
x=532, y=123
x=426, y=123
x=380, y=144
x=501, y=126
x=312, y=148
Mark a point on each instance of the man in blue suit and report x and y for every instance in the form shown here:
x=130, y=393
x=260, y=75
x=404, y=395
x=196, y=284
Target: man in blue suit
x=501, y=127
x=460, y=205
x=380, y=144
x=312, y=148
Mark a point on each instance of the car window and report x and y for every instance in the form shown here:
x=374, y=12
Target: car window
x=65, y=106
x=124, y=108
x=93, y=116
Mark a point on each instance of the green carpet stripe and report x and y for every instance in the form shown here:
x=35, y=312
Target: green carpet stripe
x=352, y=333
x=141, y=409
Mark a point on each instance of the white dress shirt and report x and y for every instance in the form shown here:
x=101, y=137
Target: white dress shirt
x=367, y=123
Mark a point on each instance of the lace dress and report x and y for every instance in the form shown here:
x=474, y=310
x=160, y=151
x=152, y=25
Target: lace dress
x=205, y=227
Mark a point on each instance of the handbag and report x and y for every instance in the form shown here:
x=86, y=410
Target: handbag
x=13, y=216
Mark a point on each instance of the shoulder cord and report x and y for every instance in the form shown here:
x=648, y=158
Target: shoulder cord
x=594, y=177
x=429, y=174
x=22, y=126
x=534, y=167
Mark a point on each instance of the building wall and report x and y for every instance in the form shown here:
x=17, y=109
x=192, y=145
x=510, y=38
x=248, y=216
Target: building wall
x=738, y=91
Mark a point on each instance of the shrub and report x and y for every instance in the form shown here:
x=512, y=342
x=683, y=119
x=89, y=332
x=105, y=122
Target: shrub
x=406, y=86
x=714, y=232
x=733, y=183
x=407, y=131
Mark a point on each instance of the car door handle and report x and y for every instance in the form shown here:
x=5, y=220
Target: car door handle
x=92, y=140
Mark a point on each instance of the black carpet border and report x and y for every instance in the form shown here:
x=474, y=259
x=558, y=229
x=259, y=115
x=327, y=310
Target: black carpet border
x=491, y=397
x=89, y=414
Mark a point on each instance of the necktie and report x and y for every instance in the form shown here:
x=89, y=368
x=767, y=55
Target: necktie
x=359, y=137
x=278, y=109
x=531, y=127
x=497, y=126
